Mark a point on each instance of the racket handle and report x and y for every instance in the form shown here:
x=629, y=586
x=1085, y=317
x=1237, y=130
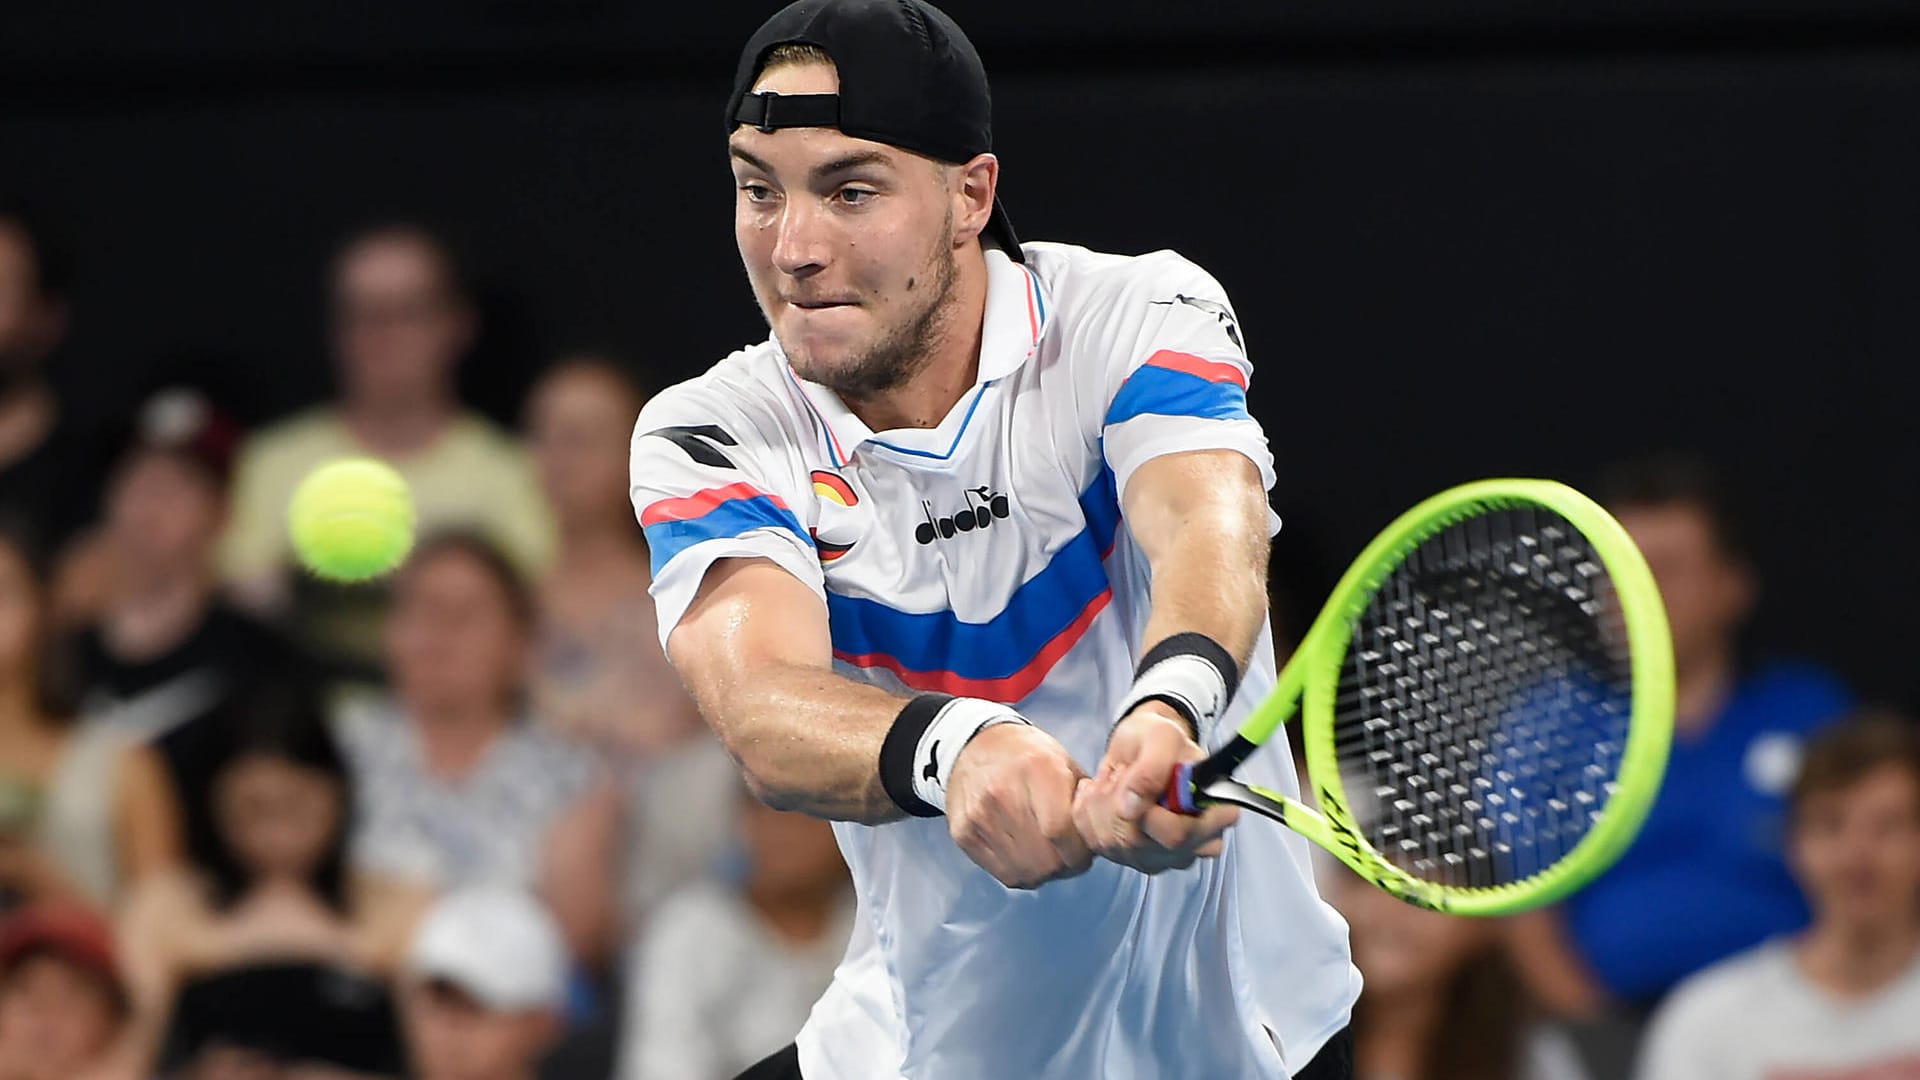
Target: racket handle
x=1180, y=791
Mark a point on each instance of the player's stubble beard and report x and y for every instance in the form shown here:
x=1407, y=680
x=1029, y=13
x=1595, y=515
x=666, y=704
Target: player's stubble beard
x=906, y=348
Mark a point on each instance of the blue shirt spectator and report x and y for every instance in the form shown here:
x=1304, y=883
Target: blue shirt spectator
x=1707, y=876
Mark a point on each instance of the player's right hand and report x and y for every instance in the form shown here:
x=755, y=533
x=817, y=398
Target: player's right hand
x=1010, y=806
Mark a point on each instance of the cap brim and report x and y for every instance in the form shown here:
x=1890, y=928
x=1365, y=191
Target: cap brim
x=1000, y=230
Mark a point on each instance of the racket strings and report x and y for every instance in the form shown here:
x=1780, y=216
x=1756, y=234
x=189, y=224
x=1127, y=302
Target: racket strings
x=1483, y=704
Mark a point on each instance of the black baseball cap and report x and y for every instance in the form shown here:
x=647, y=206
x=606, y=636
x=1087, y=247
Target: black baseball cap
x=908, y=78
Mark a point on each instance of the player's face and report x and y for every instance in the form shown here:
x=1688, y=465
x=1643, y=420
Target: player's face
x=1857, y=849
x=849, y=245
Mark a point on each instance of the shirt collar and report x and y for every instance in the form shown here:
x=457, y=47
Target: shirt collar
x=1016, y=313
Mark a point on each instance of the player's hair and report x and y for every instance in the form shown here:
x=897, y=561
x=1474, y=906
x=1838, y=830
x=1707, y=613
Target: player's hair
x=1863, y=742
x=794, y=52
x=1674, y=479
x=50, y=265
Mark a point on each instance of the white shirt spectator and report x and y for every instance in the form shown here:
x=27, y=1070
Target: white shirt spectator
x=488, y=826
x=1756, y=1016
x=717, y=989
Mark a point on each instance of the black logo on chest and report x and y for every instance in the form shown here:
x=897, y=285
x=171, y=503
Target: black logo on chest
x=983, y=506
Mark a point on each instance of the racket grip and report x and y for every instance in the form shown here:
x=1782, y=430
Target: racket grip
x=1179, y=794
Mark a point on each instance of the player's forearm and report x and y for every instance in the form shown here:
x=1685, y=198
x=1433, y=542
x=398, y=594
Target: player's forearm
x=809, y=740
x=1203, y=526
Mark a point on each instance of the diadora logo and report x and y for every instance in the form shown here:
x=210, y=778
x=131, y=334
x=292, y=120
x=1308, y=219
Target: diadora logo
x=1220, y=312
x=983, y=505
x=837, y=531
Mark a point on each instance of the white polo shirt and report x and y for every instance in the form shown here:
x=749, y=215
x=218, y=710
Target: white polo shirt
x=988, y=557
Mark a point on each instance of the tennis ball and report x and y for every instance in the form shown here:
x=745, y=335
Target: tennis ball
x=351, y=519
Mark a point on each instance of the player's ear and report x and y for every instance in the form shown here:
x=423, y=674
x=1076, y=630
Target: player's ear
x=973, y=193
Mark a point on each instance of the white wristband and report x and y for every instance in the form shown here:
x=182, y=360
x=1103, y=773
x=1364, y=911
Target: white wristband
x=952, y=728
x=1190, y=683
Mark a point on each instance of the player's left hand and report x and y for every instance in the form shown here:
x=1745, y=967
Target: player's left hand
x=1118, y=810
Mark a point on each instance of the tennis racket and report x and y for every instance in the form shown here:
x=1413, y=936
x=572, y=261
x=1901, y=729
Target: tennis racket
x=1486, y=703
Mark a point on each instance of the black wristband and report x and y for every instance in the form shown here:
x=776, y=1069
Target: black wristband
x=1200, y=647
x=898, y=753
x=1195, y=644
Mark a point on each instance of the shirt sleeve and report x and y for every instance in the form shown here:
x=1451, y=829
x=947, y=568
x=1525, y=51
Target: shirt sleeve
x=1179, y=381
x=707, y=486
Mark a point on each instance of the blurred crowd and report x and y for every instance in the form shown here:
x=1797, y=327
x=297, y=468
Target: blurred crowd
x=464, y=823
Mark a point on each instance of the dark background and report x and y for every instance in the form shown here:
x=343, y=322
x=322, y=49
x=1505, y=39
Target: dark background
x=1507, y=237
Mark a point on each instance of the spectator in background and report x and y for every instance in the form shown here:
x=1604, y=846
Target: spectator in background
x=83, y=813
x=285, y=1020
x=1440, y=1002
x=164, y=651
x=1707, y=875
x=62, y=1004
x=599, y=673
x=277, y=887
x=1843, y=999
x=49, y=470
x=400, y=323
x=455, y=785
x=727, y=972
x=485, y=986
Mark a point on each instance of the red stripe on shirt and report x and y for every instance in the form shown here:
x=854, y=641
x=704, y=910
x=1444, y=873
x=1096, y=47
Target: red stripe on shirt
x=1210, y=370
x=701, y=503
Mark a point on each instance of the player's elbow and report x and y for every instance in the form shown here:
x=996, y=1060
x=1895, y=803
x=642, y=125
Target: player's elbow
x=764, y=784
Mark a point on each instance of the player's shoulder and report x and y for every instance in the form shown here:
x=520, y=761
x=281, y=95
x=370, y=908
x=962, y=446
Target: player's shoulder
x=1725, y=991
x=1076, y=275
x=747, y=395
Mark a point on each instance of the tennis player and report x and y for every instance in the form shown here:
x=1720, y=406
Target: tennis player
x=979, y=517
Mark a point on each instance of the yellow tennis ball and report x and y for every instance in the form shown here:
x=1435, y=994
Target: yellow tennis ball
x=351, y=519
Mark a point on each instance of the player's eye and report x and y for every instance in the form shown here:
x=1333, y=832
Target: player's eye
x=853, y=196
x=757, y=192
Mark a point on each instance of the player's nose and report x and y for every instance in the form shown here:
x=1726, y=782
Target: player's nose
x=800, y=245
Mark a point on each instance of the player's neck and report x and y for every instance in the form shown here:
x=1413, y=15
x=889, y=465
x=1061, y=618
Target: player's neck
x=1858, y=960
x=951, y=367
